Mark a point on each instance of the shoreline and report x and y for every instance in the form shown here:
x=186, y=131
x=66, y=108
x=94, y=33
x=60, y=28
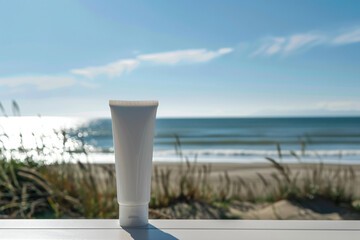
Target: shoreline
x=109, y=158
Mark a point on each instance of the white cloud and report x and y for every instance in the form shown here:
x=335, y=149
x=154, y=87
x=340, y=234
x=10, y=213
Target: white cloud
x=293, y=43
x=297, y=41
x=275, y=46
x=191, y=56
x=41, y=82
x=127, y=65
x=286, y=45
x=114, y=69
x=349, y=37
x=260, y=50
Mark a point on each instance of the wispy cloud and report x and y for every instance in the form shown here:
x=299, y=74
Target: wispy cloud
x=302, y=41
x=117, y=68
x=275, y=46
x=114, y=69
x=190, y=56
x=286, y=45
x=348, y=37
x=298, y=41
x=41, y=82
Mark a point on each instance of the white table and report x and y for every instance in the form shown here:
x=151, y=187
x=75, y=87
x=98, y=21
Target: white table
x=181, y=229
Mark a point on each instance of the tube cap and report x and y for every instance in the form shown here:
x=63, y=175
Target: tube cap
x=133, y=216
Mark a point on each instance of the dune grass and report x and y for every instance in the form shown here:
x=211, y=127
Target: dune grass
x=336, y=183
x=32, y=189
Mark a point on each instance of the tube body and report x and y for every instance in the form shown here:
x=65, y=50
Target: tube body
x=133, y=125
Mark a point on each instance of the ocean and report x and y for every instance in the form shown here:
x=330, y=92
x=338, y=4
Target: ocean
x=243, y=140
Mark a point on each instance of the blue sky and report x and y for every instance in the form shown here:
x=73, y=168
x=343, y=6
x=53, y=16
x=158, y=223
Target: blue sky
x=198, y=58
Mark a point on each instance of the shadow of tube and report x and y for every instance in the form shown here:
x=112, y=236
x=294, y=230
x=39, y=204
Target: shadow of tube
x=149, y=232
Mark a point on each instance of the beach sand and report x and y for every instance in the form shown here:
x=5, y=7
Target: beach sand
x=249, y=172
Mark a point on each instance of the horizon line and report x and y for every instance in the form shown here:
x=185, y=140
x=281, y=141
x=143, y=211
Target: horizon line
x=196, y=117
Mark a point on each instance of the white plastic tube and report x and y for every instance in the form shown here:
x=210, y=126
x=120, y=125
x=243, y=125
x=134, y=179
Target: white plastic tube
x=133, y=125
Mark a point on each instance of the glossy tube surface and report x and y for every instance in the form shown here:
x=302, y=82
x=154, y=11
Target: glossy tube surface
x=133, y=125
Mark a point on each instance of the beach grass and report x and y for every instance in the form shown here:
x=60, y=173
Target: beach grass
x=33, y=189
